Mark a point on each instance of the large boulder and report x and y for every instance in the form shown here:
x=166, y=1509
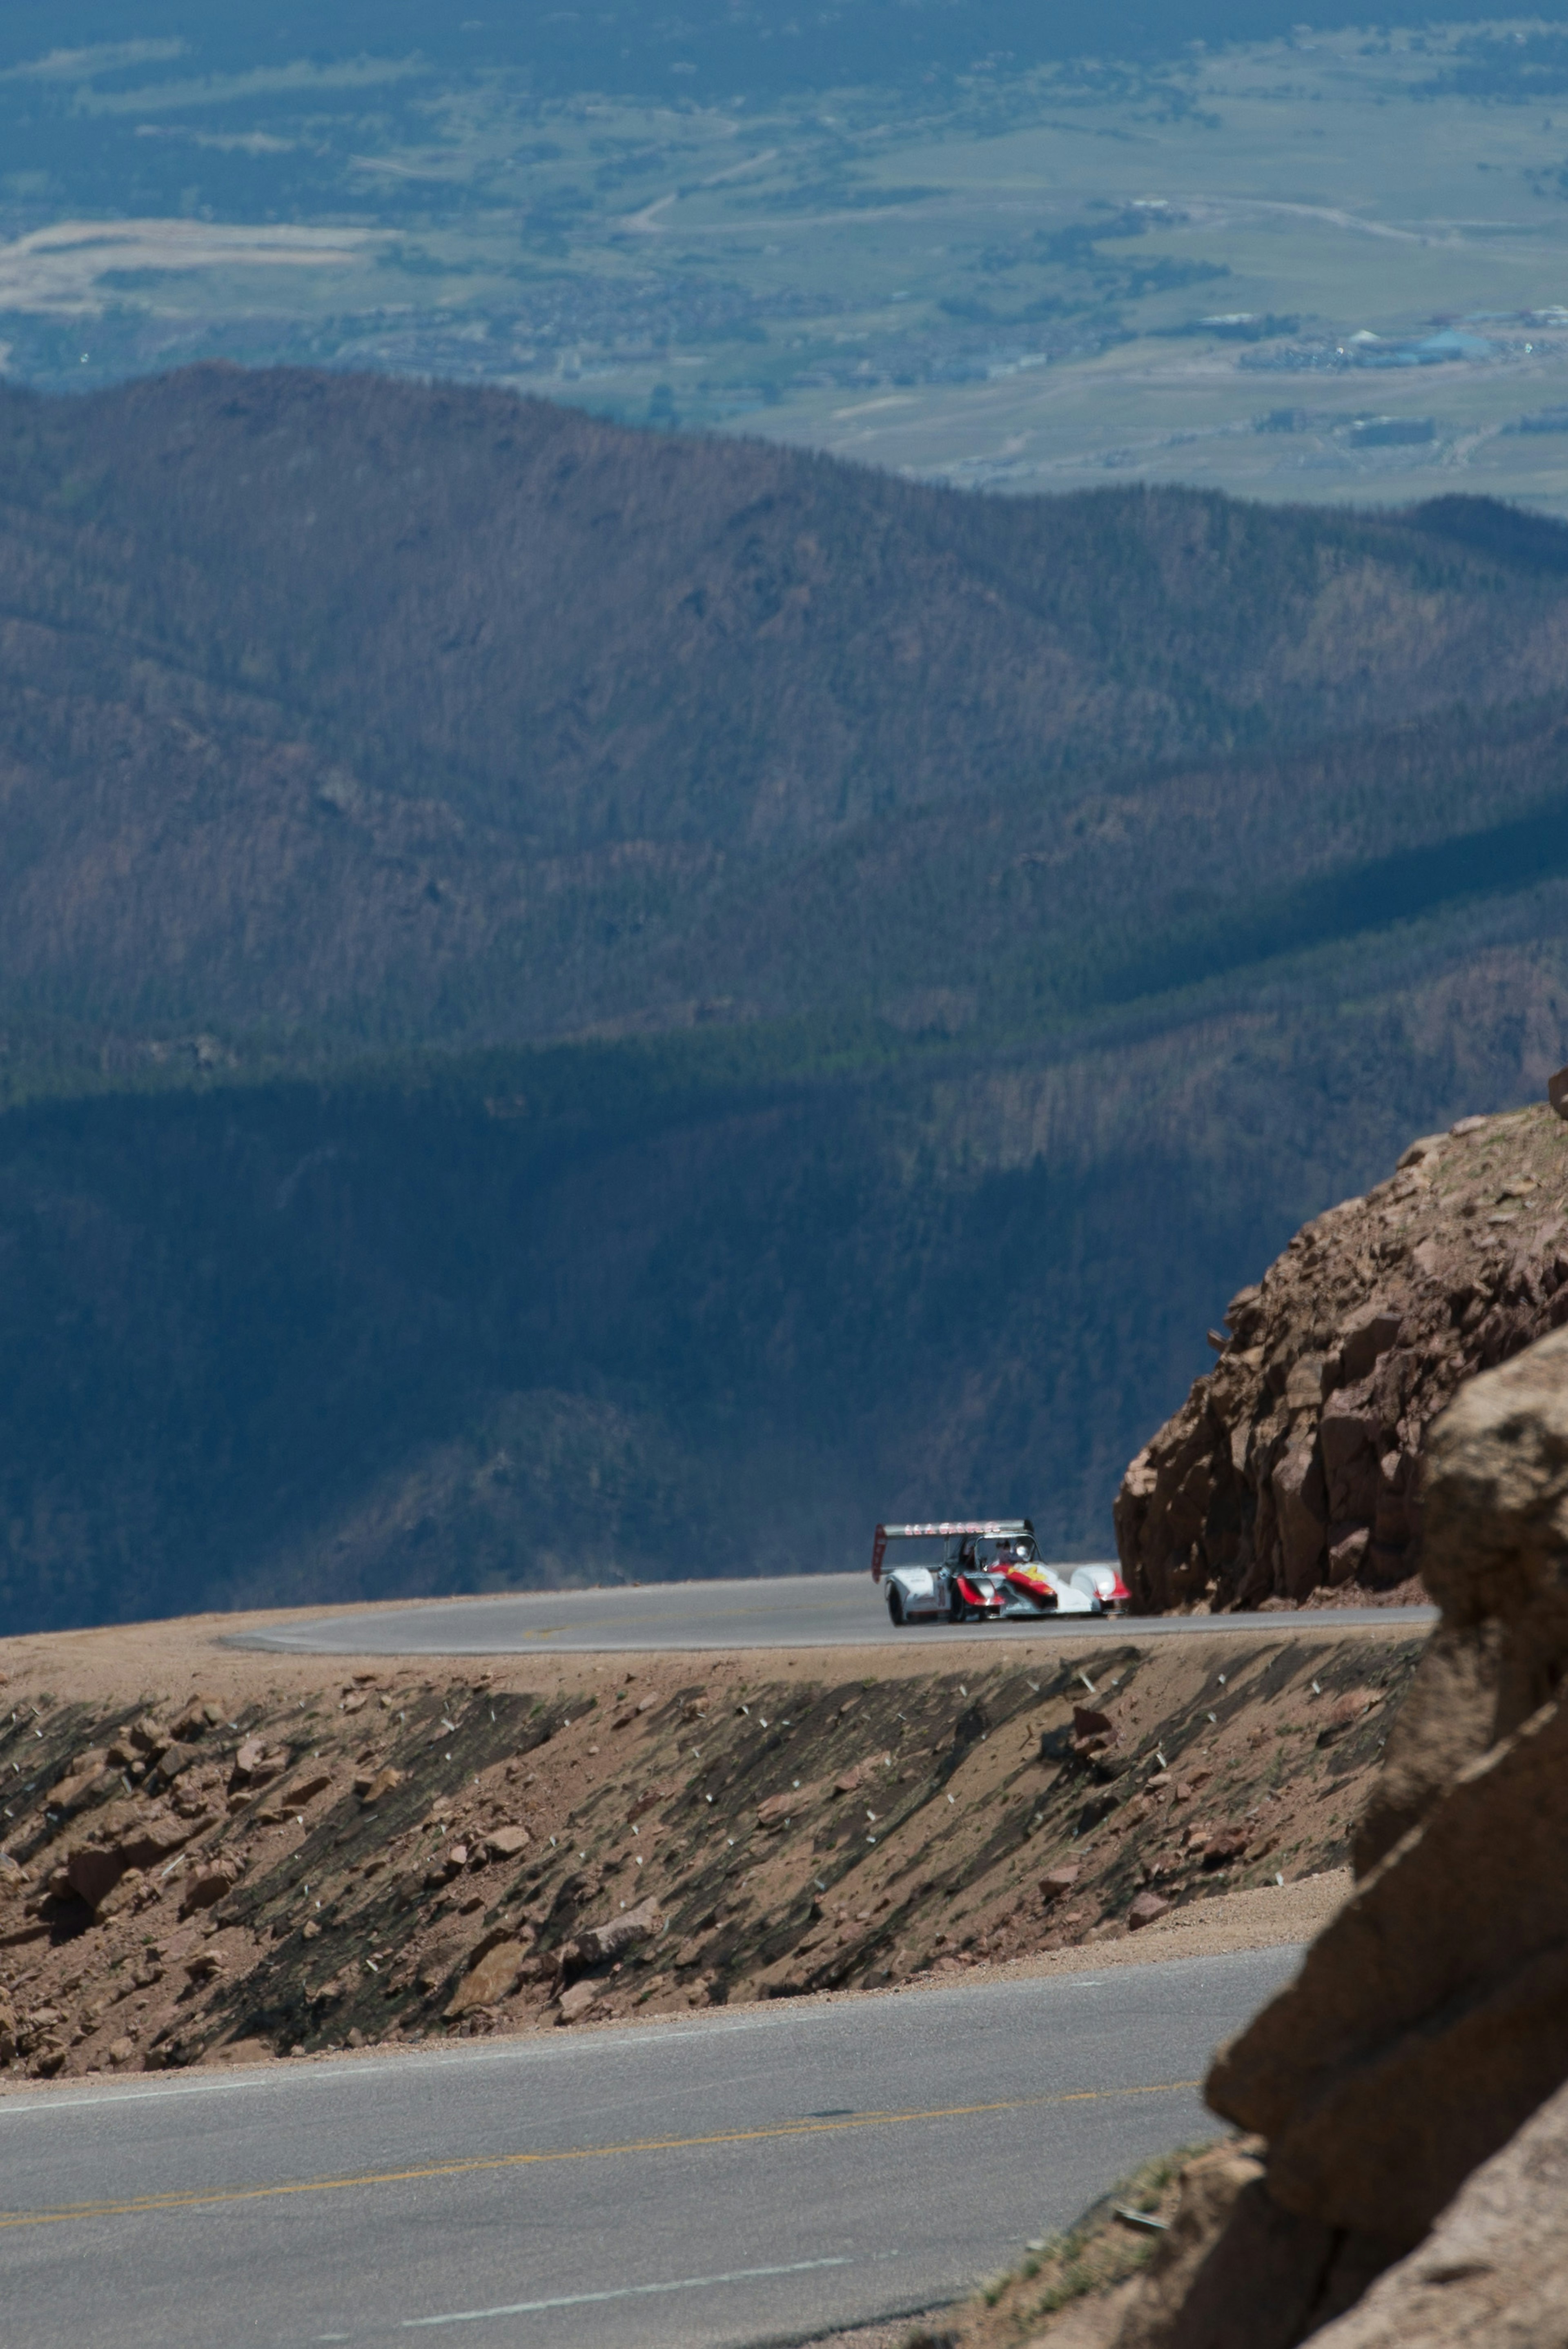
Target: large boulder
x=1496, y=1482
x=1292, y=1472
x=496, y=1971
x=602, y=1945
x=126, y=1835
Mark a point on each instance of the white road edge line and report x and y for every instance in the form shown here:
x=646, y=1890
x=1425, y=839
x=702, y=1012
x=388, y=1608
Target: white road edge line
x=538, y=2046
x=533, y=2045
x=626, y=2292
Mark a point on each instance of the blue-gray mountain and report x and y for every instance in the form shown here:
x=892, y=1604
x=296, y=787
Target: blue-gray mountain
x=579, y=1003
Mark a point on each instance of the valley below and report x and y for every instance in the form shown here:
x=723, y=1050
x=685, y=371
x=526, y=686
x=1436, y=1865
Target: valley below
x=994, y=248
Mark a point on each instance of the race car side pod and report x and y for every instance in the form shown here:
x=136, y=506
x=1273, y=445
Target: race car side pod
x=973, y=1598
x=1046, y=1597
x=878, y=1548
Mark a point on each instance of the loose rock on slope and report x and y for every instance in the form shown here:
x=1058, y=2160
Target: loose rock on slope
x=1292, y=1473
x=523, y=1839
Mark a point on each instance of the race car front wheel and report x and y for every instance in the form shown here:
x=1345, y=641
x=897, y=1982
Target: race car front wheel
x=896, y=1605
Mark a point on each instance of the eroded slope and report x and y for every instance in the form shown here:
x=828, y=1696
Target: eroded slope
x=390, y=1854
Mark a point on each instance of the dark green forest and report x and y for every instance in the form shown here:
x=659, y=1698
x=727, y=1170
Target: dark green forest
x=577, y=1004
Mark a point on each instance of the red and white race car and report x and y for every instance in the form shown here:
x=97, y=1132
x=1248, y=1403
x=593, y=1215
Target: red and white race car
x=987, y=1570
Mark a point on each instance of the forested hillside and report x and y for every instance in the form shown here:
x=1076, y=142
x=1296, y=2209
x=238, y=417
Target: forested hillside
x=581, y=1003
x=349, y=711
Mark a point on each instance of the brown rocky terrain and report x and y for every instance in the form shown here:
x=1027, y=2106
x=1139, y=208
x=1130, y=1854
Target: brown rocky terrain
x=1402, y=2175
x=1292, y=1474
x=299, y=1856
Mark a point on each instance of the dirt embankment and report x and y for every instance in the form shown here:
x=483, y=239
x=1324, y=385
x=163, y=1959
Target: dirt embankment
x=1292, y=1473
x=292, y=1854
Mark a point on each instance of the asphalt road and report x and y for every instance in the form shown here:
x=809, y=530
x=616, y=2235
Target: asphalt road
x=802, y=1610
x=734, y=2178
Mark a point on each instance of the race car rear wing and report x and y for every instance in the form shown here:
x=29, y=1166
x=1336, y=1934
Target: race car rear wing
x=999, y=1528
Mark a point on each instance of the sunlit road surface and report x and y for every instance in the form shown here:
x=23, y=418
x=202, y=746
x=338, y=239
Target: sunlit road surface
x=733, y=2178
x=804, y=1610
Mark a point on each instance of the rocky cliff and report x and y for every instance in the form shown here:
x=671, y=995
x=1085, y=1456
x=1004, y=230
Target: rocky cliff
x=1292, y=1473
x=1403, y=2179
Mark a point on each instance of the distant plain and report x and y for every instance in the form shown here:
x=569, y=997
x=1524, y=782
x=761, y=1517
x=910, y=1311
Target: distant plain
x=998, y=277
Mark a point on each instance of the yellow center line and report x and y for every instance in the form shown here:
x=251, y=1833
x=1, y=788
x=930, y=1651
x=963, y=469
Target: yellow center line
x=476, y=2163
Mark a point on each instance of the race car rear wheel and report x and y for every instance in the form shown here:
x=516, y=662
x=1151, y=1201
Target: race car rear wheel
x=896, y=1605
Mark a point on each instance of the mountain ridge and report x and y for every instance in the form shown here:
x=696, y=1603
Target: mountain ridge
x=410, y=1170
x=444, y=716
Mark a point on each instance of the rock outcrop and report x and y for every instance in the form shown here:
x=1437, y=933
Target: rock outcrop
x=1496, y=1479
x=1292, y=1474
x=1493, y=2272
x=1393, y=2090
x=1431, y=2016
